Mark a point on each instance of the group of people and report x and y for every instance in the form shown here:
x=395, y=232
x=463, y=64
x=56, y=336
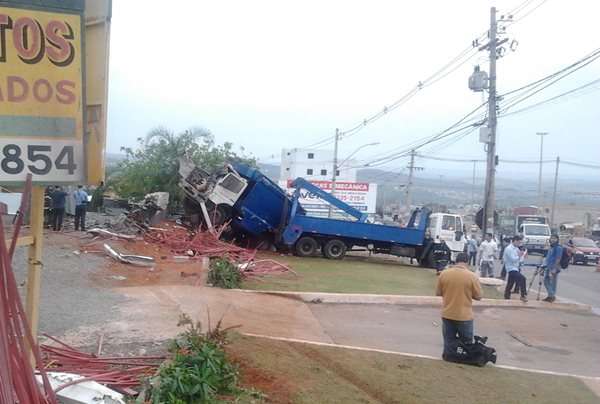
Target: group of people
x=58, y=198
x=459, y=286
x=513, y=256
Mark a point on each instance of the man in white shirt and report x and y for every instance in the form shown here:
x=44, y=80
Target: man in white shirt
x=487, y=254
x=512, y=258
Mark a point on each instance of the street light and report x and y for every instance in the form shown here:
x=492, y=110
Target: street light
x=540, y=195
x=356, y=151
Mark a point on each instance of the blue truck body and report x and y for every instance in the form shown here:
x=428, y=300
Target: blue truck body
x=264, y=208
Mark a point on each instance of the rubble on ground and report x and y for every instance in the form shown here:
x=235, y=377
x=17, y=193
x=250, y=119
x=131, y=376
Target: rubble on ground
x=121, y=373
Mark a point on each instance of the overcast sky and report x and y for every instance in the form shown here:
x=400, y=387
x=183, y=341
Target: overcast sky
x=273, y=74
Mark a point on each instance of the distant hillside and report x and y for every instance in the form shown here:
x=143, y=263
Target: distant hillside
x=114, y=158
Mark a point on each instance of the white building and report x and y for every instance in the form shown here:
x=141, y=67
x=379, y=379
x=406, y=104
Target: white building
x=314, y=165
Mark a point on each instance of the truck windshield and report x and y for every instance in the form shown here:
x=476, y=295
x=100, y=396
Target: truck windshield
x=536, y=230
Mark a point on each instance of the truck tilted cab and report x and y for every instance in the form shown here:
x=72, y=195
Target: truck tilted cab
x=258, y=209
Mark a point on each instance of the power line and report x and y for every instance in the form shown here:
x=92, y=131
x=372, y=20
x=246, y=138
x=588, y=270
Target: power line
x=552, y=75
x=430, y=139
x=538, y=104
x=572, y=163
x=529, y=12
x=463, y=57
x=432, y=79
x=523, y=97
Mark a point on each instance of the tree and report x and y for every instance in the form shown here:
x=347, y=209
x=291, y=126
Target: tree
x=153, y=166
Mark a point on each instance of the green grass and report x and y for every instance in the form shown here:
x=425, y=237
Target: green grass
x=353, y=275
x=299, y=373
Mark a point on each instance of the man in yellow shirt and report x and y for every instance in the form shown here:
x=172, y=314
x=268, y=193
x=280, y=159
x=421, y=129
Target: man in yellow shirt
x=458, y=286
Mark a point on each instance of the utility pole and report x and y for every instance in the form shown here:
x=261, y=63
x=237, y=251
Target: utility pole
x=473, y=187
x=540, y=192
x=554, y=192
x=489, y=204
x=411, y=169
x=335, y=168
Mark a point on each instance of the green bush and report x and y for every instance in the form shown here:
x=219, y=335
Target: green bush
x=199, y=371
x=224, y=274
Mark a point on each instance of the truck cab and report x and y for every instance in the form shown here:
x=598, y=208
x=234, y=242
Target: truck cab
x=449, y=228
x=536, y=237
x=535, y=232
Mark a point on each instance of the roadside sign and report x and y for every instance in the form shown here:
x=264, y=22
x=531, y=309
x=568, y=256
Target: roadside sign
x=359, y=195
x=42, y=95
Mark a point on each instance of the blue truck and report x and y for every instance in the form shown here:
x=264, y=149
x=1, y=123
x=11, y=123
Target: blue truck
x=259, y=210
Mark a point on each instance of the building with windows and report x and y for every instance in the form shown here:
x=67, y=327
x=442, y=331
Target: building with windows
x=314, y=165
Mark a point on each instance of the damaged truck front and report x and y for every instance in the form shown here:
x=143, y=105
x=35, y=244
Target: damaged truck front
x=261, y=213
x=255, y=207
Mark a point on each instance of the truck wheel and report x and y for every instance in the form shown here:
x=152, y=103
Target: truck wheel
x=334, y=249
x=306, y=247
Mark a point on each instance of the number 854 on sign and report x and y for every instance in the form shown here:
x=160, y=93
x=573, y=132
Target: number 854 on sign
x=47, y=161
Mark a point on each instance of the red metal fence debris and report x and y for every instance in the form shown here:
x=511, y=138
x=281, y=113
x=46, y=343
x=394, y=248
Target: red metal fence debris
x=181, y=241
x=119, y=373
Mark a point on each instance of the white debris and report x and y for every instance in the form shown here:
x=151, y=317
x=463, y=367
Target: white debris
x=87, y=392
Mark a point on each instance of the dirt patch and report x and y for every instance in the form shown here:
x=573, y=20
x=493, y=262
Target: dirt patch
x=167, y=270
x=275, y=387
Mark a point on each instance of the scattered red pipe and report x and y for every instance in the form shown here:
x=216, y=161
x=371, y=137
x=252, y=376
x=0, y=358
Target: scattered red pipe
x=207, y=244
x=17, y=380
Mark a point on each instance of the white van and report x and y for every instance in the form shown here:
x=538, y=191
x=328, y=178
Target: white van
x=449, y=228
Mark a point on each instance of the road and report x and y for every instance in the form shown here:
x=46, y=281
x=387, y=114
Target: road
x=578, y=283
x=529, y=338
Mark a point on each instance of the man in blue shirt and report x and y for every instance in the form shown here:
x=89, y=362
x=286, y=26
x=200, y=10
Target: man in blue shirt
x=472, y=250
x=81, y=200
x=512, y=259
x=58, y=197
x=552, y=268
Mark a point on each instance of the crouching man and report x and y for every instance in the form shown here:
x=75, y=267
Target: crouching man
x=458, y=286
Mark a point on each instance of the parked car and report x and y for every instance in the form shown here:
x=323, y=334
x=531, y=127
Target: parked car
x=586, y=251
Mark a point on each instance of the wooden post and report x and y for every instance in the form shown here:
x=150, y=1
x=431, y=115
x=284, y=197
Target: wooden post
x=34, y=272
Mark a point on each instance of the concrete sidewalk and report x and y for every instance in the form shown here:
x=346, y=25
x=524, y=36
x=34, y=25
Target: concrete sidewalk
x=565, y=341
x=359, y=298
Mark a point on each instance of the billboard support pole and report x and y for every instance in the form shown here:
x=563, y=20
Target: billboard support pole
x=34, y=272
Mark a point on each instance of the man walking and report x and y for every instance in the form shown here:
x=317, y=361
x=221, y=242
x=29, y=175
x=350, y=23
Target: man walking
x=487, y=253
x=81, y=200
x=58, y=197
x=458, y=286
x=512, y=260
x=472, y=250
x=552, y=268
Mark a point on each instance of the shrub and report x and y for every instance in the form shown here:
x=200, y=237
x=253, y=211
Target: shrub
x=224, y=274
x=199, y=370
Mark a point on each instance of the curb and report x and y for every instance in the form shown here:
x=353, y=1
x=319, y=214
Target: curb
x=357, y=298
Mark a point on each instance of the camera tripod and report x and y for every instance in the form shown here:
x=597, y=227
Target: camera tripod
x=539, y=273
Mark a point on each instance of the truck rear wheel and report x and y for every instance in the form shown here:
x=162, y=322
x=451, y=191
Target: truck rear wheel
x=306, y=247
x=334, y=249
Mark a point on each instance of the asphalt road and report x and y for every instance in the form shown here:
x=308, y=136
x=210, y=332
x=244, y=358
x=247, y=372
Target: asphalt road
x=540, y=339
x=578, y=283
